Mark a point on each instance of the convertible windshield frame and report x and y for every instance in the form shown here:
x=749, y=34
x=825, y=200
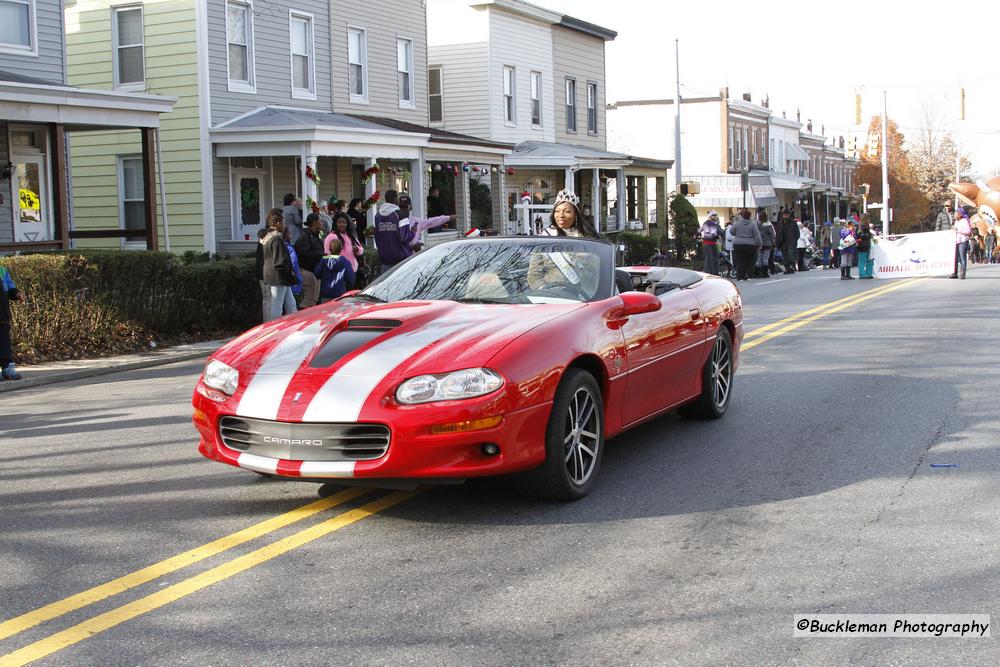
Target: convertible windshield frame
x=493, y=256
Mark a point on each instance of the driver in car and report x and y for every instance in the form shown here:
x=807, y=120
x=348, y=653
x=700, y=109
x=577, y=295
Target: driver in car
x=568, y=269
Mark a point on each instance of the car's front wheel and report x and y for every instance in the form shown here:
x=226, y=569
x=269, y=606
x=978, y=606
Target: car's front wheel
x=574, y=442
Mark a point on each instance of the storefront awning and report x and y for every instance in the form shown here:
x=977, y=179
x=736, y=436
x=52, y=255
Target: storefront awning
x=725, y=191
x=795, y=152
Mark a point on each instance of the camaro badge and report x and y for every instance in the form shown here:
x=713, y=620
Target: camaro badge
x=297, y=396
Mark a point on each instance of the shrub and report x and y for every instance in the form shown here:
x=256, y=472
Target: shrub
x=684, y=221
x=638, y=248
x=103, y=302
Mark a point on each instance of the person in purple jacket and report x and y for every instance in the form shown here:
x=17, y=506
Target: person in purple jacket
x=420, y=225
x=393, y=234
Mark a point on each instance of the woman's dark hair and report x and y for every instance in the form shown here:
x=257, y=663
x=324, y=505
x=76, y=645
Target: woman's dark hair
x=311, y=218
x=745, y=213
x=274, y=216
x=289, y=199
x=350, y=228
x=762, y=216
x=583, y=223
x=354, y=202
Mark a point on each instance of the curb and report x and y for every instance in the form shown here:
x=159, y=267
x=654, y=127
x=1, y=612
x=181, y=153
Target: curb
x=28, y=381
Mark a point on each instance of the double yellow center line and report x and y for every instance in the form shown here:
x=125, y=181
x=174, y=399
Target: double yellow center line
x=765, y=333
x=172, y=593
x=118, y=615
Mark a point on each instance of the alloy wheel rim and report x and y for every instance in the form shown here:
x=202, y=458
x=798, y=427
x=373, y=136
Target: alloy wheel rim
x=582, y=440
x=722, y=373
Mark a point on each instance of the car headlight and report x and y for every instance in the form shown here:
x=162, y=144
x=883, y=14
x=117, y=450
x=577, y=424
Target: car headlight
x=222, y=377
x=449, y=386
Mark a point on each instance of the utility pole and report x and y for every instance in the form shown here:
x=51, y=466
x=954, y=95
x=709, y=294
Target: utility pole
x=958, y=144
x=677, y=119
x=886, y=210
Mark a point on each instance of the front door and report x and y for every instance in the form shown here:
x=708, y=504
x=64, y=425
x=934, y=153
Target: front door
x=662, y=349
x=248, y=197
x=30, y=199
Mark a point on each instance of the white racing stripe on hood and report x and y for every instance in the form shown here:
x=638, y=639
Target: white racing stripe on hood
x=341, y=398
x=262, y=396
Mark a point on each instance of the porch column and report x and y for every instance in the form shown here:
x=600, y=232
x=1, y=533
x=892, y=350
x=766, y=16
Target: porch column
x=149, y=188
x=595, y=184
x=499, y=202
x=569, y=184
x=370, y=190
x=620, y=182
x=640, y=193
x=418, y=177
x=309, y=189
x=463, y=209
x=661, y=205
x=59, y=175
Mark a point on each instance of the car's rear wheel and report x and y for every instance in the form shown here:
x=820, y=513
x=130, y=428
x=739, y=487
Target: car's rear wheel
x=574, y=442
x=716, y=381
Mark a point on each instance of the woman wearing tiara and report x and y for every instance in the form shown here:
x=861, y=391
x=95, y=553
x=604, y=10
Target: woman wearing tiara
x=573, y=272
x=566, y=219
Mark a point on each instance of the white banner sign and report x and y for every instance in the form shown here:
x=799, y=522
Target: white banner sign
x=924, y=254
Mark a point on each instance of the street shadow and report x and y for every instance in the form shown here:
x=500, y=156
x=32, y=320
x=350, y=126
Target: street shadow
x=750, y=457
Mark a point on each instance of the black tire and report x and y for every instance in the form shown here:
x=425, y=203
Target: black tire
x=716, y=381
x=576, y=426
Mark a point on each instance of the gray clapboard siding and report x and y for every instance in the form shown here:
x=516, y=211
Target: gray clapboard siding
x=465, y=86
x=222, y=199
x=272, y=59
x=525, y=45
x=580, y=57
x=48, y=64
x=384, y=22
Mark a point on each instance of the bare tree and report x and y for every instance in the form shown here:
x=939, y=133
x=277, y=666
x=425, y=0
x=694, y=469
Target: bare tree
x=932, y=155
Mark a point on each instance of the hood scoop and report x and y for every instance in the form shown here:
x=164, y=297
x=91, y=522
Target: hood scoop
x=372, y=323
x=345, y=341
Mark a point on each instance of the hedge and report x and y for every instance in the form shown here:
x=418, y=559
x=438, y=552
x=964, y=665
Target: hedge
x=104, y=302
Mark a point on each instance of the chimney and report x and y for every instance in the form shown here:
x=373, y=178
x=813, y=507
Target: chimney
x=798, y=115
x=724, y=93
x=841, y=141
x=822, y=130
x=766, y=102
x=746, y=97
x=784, y=115
x=809, y=125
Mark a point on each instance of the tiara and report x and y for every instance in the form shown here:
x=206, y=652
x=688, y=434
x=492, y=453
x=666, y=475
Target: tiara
x=566, y=195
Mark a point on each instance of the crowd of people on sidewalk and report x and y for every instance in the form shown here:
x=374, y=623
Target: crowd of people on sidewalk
x=304, y=262
x=755, y=248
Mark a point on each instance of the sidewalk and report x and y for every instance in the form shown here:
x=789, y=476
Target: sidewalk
x=61, y=371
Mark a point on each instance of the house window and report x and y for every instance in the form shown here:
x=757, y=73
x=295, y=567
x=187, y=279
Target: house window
x=571, y=105
x=357, y=59
x=300, y=29
x=404, y=66
x=435, y=93
x=17, y=25
x=509, y=89
x=536, y=99
x=592, y=109
x=131, y=205
x=128, y=46
x=239, y=39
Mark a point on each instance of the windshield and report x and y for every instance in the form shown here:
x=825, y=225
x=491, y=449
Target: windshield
x=502, y=271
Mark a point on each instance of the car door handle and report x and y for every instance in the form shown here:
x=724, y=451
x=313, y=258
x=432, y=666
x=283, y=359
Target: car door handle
x=695, y=313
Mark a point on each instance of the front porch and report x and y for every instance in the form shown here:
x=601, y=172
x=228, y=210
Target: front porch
x=37, y=122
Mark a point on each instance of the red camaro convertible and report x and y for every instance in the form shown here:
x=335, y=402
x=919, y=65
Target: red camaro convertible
x=475, y=357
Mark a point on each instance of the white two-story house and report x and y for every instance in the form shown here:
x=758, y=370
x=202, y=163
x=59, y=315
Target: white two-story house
x=516, y=72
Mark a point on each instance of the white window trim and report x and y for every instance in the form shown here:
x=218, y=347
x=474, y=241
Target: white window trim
x=121, y=198
x=513, y=95
x=597, y=108
x=302, y=93
x=358, y=99
x=135, y=85
x=440, y=69
x=576, y=105
x=541, y=108
x=31, y=50
x=241, y=86
x=412, y=102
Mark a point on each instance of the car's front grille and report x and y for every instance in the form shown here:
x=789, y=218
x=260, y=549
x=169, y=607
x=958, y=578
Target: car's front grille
x=306, y=441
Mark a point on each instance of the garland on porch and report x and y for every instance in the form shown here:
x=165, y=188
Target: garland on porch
x=371, y=201
x=312, y=175
x=312, y=204
x=369, y=173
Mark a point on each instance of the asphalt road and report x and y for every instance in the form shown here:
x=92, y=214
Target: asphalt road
x=815, y=494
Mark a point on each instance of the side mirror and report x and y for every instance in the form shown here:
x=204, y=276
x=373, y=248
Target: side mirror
x=631, y=303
